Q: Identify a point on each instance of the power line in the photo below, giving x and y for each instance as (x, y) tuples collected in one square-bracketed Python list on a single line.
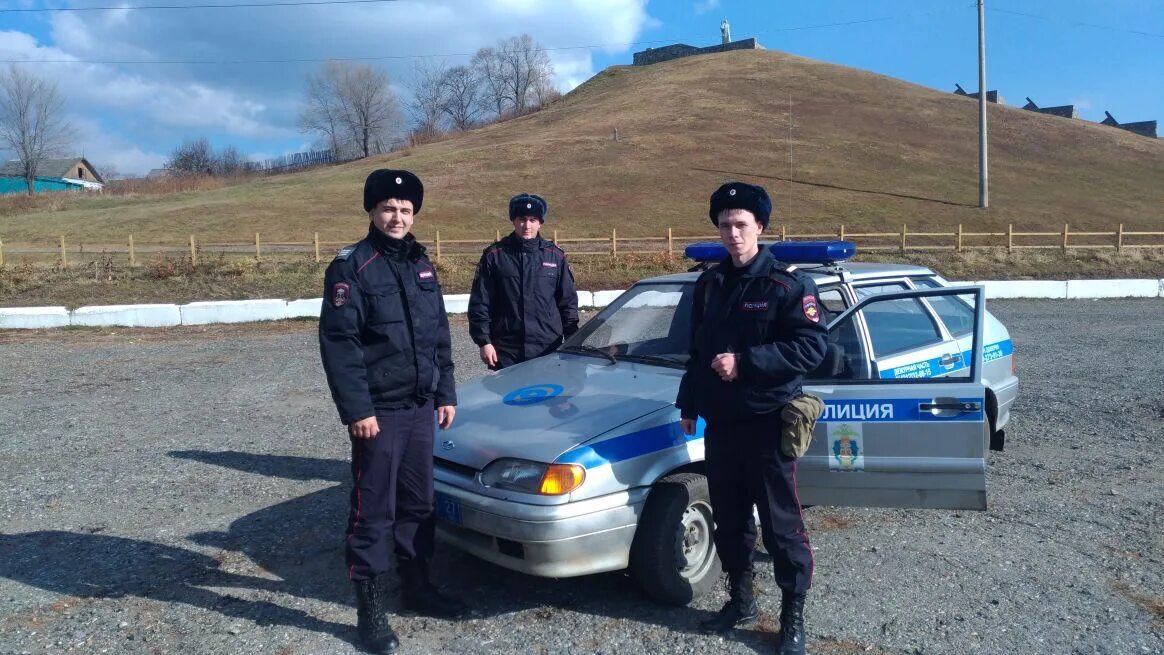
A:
[(205, 6), (1075, 22), (303, 60)]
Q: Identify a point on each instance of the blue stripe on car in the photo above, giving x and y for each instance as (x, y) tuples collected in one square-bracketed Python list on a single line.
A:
[(661, 437), (929, 368)]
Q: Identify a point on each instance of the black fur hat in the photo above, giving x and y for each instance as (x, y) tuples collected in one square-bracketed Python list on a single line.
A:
[(528, 204), (385, 183), (741, 195)]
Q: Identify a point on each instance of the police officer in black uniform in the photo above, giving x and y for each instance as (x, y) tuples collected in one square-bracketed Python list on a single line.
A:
[(384, 339), (756, 331), (523, 301)]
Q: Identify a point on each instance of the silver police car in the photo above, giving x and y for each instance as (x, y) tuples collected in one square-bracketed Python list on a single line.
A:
[(574, 463)]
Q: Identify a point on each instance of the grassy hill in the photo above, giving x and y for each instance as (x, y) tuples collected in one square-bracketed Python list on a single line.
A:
[(866, 150)]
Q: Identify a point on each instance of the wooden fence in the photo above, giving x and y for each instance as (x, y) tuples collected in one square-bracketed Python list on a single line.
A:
[(670, 245)]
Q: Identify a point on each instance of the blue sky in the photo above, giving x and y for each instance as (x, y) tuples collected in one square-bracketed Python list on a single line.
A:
[(1096, 55)]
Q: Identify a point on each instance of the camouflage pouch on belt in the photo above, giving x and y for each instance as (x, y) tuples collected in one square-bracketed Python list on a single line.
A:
[(799, 417)]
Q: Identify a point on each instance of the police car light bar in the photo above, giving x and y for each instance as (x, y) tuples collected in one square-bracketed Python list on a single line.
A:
[(793, 252)]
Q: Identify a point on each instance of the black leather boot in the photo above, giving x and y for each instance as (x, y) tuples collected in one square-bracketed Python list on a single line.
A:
[(376, 636), (740, 608), (791, 624), (418, 594)]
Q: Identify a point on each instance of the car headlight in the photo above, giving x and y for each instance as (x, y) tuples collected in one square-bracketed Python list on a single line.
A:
[(533, 477)]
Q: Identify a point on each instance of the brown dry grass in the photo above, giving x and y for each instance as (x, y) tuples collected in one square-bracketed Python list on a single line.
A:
[(869, 152)]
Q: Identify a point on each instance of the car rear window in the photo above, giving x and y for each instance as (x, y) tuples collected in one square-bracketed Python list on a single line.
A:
[(954, 312), (897, 326)]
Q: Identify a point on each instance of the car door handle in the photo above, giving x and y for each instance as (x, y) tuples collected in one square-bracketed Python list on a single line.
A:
[(949, 359), (950, 405)]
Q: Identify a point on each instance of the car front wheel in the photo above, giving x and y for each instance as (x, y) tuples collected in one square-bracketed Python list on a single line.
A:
[(673, 558)]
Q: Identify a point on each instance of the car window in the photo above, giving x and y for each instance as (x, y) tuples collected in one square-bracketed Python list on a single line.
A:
[(845, 357), (650, 320), (953, 310), (898, 325), (831, 301), (846, 360)]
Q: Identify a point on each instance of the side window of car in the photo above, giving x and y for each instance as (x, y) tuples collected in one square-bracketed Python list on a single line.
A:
[(953, 310), (899, 325), (844, 357)]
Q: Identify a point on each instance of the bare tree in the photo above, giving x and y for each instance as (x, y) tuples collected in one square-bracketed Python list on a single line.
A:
[(32, 123), (525, 66), (323, 113), (351, 105), (192, 158), (230, 161), (427, 98), (489, 68), (461, 92)]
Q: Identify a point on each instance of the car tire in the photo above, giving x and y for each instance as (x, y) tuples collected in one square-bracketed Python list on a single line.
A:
[(673, 558)]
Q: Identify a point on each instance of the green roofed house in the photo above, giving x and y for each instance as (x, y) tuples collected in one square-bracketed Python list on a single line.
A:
[(69, 174)]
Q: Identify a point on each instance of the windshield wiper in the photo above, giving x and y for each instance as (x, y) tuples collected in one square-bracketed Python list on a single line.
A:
[(659, 357), (593, 351)]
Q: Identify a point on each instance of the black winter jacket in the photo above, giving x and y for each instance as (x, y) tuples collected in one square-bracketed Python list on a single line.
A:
[(383, 330), (523, 299), (767, 314)]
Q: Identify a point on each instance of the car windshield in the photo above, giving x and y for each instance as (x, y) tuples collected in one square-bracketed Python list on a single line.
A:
[(650, 322)]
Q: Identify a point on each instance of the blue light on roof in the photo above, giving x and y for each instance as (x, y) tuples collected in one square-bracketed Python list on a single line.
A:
[(793, 252), (705, 251), (813, 252)]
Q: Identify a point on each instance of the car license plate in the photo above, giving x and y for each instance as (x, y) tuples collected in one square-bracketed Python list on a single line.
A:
[(448, 509)]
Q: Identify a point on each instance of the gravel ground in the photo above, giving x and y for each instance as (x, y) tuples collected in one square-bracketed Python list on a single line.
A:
[(184, 491)]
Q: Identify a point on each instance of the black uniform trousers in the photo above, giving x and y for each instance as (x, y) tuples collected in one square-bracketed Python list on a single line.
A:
[(745, 466), (392, 496)]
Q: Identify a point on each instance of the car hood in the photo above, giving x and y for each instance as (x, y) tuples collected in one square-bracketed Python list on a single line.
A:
[(541, 408)]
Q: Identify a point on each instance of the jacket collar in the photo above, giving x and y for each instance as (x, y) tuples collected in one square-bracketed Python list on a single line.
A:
[(516, 243), (760, 265), (406, 248)]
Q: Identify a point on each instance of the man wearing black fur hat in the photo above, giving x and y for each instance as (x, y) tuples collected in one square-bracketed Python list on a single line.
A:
[(523, 301), (384, 339), (756, 331)]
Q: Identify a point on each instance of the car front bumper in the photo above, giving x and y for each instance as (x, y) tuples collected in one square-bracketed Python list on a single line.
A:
[(558, 541)]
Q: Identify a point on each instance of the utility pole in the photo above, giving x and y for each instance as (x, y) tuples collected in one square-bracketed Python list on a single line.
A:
[(983, 189)]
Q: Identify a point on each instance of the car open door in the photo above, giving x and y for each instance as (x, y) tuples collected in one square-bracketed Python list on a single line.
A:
[(890, 442)]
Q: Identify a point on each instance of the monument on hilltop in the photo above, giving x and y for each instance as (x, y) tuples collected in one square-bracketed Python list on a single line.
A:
[(678, 50)]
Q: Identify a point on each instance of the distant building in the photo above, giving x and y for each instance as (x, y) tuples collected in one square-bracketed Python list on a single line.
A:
[(1066, 111), (1143, 128), (69, 174), (158, 174), (991, 96), (679, 50)]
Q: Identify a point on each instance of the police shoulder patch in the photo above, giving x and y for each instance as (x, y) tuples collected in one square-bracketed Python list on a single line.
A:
[(344, 253), (811, 311)]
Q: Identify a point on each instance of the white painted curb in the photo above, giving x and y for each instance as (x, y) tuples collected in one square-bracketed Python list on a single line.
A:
[(304, 308), (604, 298), (1113, 288), (33, 317), (457, 303), (1024, 289), (242, 311), (233, 311), (128, 315)]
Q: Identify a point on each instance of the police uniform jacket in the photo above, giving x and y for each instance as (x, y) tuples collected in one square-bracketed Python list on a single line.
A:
[(383, 330), (523, 298), (767, 315)]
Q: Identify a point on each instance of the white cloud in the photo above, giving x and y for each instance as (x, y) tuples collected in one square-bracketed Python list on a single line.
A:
[(704, 6), (151, 108)]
